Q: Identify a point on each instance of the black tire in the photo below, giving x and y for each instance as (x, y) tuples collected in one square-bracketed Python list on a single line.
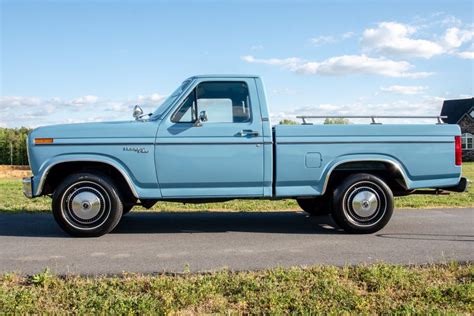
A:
[(316, 206), (87, 205), (362, 204)]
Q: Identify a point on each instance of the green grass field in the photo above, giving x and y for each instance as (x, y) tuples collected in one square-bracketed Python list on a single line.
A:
[(12, 200), (375, 289)]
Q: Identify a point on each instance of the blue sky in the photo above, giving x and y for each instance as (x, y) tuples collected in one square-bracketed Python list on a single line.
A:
[(71, 61)]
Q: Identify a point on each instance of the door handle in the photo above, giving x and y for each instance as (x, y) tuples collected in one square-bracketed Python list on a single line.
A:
[(247, 132)]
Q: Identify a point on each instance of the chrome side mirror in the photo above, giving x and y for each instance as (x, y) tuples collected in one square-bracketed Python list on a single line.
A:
[(201, 118), (137, 112)]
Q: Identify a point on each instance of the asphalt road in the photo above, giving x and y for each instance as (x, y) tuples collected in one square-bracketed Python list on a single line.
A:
[(173, 242)]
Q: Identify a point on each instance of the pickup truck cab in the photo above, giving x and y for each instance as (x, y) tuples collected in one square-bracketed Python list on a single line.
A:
[(212, 140)]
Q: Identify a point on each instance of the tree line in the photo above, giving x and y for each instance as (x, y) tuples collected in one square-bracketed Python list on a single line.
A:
[(13, 146), (335, 120)]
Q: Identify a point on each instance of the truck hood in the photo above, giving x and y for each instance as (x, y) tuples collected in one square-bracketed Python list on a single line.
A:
[(123, 129)]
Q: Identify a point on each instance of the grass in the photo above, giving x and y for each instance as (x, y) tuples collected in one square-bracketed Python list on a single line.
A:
[(12, 200), (375, 289)]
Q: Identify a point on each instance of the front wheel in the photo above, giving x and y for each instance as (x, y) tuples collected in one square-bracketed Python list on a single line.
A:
[(363, 204), (87, 205)]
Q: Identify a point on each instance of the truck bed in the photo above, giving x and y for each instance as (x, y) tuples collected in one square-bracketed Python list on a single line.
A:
[(307, 154)]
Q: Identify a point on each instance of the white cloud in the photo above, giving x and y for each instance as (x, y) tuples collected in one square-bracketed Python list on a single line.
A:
[(428, 105), (34, 111), (393, 39), (273, 61), (320, 40), (14, 101), (455, 37), (348, 35), (88, 99), (330, 39), (344, 65), (404, 89), (155, 97), (466, 54), (328, 107), (451, 20), (396, 39)]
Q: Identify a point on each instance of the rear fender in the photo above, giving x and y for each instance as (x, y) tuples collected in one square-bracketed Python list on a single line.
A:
[(363, 158)]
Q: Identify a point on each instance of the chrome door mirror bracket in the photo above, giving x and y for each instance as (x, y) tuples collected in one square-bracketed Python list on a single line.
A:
[(137, 112), (201, 118)]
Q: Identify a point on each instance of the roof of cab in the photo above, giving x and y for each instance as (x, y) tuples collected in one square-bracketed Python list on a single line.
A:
[(223, 76)]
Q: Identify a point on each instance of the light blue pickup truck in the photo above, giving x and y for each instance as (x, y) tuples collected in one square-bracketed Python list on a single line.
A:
[(212, 140)]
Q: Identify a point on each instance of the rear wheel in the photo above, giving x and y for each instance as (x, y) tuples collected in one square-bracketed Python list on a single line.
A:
[(315, 206), (362, 204), (87, 205)]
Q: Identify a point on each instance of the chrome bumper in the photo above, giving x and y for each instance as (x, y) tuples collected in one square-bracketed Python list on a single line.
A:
[(27, 187)]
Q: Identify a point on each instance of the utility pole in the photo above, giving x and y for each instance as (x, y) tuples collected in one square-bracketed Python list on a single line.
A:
[(11, 153)]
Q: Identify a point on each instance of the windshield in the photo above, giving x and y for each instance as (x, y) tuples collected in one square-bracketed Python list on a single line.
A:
[(171, 98)]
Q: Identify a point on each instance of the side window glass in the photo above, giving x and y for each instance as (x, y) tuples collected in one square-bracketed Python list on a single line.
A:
[(218, 110), (224, 102)]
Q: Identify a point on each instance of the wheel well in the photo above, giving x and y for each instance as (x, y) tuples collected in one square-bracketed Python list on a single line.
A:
[(387, 171), (60, 171)]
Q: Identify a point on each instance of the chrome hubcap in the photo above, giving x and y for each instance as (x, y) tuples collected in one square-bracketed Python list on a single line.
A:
[(365, 203), (86, 205)]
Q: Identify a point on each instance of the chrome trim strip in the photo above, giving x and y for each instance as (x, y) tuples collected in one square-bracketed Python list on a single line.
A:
[(367, 142), (157, 143), (212, 143), (45, 173), (395, 164), (94, 144)]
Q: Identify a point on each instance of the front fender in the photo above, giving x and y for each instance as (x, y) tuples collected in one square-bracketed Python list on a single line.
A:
[(40, 178)]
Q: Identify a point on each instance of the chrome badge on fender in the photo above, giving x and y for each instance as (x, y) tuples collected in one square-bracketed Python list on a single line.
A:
[(138, 150)]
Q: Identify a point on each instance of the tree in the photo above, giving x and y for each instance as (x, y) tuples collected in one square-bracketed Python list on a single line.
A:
[(337, 120), (288, 122), (13, 146)]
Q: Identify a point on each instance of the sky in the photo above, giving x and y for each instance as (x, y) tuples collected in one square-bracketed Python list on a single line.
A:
[(77, 61)]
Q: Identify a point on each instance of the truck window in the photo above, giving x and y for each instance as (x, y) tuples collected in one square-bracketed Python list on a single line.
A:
[(224, 102)]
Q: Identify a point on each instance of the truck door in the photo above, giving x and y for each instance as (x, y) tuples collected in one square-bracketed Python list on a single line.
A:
[(220, 155)]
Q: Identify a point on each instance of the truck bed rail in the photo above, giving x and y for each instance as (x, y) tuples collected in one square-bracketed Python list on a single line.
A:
[(373, 117)]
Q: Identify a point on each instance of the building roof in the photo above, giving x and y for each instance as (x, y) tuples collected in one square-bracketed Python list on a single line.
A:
[(456, 109)]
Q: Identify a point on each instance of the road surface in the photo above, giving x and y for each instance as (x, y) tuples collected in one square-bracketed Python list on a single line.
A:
[(202, 241)]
